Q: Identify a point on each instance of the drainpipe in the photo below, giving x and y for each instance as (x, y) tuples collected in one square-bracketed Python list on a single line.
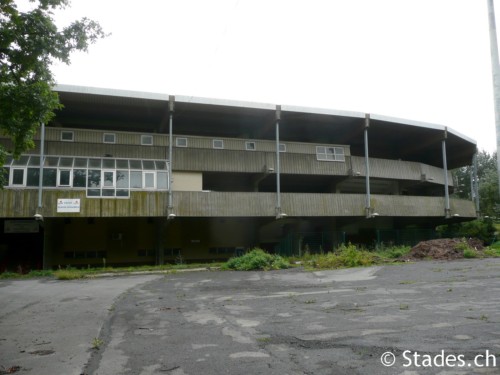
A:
[(474, 180), (367, 168), (279, 214), (170, 207), (42, 155), (447, 213)]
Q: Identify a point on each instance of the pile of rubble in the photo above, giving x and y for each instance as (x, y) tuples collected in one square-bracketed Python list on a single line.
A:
[(443, 249)]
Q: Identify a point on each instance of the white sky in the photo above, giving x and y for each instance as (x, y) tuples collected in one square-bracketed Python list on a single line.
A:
[(425, 60)]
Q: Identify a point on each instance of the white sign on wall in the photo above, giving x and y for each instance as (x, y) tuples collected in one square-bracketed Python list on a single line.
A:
[(68, 205)]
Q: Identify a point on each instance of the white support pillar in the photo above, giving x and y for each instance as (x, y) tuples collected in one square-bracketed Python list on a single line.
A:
[(447, 212), (170, 207)]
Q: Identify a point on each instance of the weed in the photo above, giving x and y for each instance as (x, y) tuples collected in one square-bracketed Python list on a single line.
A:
[(256, 259), (449, 290), (263, 340), (407, 282), (96, 343), (346, 256), (404, 306), (69, 274), (310, 301), (484, 318)]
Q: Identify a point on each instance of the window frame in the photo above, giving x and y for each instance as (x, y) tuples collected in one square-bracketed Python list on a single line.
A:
[(322, 153), (248, 143), (11, 176), (147, 136), (179, 139), (70, 170), (214, 141), (62, 139), (109, 134)]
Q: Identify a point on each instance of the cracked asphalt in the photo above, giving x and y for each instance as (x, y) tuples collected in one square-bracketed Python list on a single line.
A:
[(278, 322)]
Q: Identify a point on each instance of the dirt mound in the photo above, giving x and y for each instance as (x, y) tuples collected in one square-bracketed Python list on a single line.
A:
[(443, 249)]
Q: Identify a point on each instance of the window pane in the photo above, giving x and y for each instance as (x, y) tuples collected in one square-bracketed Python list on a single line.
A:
[(34, 161), (122, 179), (120, 163), (51, 161), (66, 162), (94, 178), (64, 178), (147, 140), (108, 163), (49, 177), (135, 164), (149, 180), (94, 163), (148, 164), (33, 178), (108, 192), (122, 193), (161, 165), (94, 192), (161, 181), (136, 180), (22, 161), (109, 138), (17, 176), (81, 163), (79, 177), (66, 136), (108, 179)]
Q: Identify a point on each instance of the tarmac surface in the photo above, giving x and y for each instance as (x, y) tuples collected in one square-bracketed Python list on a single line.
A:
[(431, 317)]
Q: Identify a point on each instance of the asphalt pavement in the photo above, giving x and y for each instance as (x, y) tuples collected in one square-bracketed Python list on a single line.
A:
[(421, 318)]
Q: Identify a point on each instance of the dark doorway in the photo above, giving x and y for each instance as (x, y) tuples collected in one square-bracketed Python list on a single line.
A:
[(21, 245)]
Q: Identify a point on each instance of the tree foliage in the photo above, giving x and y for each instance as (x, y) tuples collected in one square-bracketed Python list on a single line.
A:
[(487, 182), (30, 42)]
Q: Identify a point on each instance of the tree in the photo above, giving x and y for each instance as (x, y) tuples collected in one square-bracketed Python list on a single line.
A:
[(487, 181), (29, 43)]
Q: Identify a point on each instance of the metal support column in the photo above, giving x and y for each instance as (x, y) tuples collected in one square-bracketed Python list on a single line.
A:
[(447, 212), (475, 185), (279, 214), (40, 182), (368, 209), (170, 207)]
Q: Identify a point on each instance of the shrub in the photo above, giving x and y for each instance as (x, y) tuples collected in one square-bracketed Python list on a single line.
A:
[(256, 259), (481, 228), (346, 256)]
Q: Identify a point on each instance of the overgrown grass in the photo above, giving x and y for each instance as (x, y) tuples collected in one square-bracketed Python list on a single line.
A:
[(72, 273), (29, 275), (346, 256), (256, 259)]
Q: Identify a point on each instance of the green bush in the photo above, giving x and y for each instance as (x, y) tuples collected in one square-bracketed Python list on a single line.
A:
[(346, 256), (393, 252), (256, 259), (480, 228)]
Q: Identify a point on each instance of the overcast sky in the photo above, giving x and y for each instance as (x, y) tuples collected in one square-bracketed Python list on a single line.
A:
[(424, 60)]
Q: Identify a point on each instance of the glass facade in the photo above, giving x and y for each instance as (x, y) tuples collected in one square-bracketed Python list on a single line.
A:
[(100, 177)]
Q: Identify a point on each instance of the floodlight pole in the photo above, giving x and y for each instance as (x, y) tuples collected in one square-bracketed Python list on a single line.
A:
[(495, 70)]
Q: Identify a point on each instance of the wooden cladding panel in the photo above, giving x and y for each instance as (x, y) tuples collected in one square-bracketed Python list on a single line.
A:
[(100, 150), (23, 203)]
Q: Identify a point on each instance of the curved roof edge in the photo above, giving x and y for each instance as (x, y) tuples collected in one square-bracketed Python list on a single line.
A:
[(251, 105), (421, 124)]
